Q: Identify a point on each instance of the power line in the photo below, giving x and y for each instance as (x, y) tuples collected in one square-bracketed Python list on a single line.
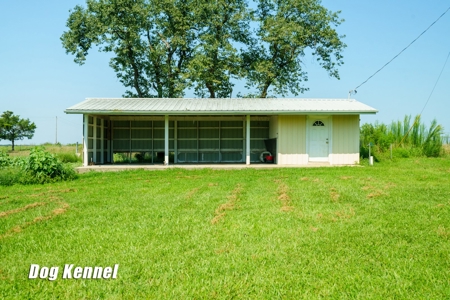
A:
[(432, 91), (354, 90), (439, 77)]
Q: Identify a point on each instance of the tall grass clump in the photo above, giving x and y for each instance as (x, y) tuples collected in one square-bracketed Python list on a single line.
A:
[(68, 157), (407, 138)]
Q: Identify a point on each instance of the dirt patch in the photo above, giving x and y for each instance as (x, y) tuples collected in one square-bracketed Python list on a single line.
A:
[(191, 193), (284, 197), (17, 210), (189, 177), (367, 187), (334, 195), (67, 191), (345, 213), (61, 210), (389, 185), (17, 229), (233, 198), (375, 194), (443, 232), (346, 177)]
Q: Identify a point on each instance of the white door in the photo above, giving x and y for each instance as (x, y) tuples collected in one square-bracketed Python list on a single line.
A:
[(318, 140)]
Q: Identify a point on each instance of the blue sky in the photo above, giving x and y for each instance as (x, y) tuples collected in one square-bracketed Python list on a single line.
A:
[(39, 81)]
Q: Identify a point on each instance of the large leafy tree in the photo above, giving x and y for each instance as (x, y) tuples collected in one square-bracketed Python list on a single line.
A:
[(163, 47), (285, 30), (13, 128), (222, 24), (150, 40)]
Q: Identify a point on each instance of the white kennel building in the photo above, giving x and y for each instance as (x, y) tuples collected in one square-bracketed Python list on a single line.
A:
[(230, 130)]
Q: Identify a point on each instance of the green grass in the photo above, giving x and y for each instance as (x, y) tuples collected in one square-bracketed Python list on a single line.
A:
[(58, 149), (350, 232)]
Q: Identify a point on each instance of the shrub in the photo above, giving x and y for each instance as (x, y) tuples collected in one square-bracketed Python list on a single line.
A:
[(43, 166), (120, 158), (401, 152), (5, 160)]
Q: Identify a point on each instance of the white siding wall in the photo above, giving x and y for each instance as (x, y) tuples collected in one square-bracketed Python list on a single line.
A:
[(345, 140), (292, 140)]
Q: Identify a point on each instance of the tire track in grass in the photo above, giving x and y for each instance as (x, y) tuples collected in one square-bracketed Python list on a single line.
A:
[(21, 209), (233, 198), (61, 209), (283, 196), (17, 229)]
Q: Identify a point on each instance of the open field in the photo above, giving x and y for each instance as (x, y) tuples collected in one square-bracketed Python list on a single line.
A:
[(347, 232), (24, 150)]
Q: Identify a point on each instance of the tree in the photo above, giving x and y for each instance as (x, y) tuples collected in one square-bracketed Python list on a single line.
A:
[(13, 128), (150, 40), (222, 24), (161, 48), (285, 30)]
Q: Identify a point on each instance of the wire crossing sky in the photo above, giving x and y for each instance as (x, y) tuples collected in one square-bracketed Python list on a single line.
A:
[(434, 87), (403, 50)]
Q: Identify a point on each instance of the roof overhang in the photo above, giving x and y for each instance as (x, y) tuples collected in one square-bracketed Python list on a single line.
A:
[(226, 106)]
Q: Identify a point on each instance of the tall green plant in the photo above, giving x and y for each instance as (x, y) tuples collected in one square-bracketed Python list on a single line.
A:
[(43, 166), (413, 139)]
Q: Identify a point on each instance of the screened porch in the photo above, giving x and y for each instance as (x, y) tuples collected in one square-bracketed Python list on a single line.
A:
[(190, 139)]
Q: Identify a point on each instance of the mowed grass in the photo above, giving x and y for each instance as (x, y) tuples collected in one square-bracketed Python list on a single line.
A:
[(306, 233)]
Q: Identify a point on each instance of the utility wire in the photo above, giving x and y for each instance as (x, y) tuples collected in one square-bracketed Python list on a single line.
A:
[(439, 77), (432, 91), (354, 90)]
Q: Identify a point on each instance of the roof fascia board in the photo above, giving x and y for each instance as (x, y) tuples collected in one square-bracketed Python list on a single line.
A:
[(173, 113)]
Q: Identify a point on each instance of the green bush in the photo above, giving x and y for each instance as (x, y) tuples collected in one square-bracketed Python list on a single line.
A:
[(5, 160), (40, 167), (120, 158), (401, 152), (43, 166)]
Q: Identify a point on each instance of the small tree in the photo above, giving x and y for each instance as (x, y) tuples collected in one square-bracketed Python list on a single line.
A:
[(13, 128)]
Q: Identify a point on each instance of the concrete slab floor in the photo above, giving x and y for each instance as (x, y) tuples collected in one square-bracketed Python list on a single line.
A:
[(116, 167)]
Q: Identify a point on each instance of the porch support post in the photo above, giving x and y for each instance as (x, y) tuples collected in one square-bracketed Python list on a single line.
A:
[(166, 140), (102, 140), (247, 140), (85, 139), (94, 140), (175, 144)]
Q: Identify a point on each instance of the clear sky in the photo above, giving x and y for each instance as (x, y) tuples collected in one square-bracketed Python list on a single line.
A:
[(39, 81)]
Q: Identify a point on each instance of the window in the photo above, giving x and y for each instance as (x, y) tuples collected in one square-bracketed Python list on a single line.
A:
[(318, 123)]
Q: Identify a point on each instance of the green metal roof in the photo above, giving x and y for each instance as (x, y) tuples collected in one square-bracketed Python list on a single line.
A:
[(218, 106)]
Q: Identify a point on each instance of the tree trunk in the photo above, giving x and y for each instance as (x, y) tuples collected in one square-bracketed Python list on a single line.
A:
[(12, 142), (212, 93)]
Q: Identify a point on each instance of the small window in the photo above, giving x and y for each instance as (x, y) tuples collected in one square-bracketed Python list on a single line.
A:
[(318, 123)]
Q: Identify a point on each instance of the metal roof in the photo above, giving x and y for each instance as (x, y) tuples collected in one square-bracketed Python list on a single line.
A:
[(218, 106)]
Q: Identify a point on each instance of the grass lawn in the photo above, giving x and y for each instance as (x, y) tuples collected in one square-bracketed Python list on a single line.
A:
[(346, 232)]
